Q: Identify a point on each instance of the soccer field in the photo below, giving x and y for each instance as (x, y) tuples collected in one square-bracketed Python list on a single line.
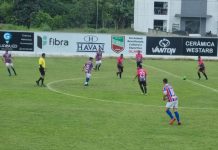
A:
[(109, 114)]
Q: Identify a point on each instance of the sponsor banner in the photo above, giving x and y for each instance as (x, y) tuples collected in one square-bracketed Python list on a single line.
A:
[(164, 46), (128, 44), (181, 46), (88, 44), (135, 43), (199, 47), (91, 43), (63, 43), (16, 41)]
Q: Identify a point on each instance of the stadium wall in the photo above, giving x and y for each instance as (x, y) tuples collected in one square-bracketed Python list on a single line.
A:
[(86, 44)]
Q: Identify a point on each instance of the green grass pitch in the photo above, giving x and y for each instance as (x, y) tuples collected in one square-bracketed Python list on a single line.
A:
[(109, 114)]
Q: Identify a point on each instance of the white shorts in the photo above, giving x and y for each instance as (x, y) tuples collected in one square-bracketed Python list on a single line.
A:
[(98, 62), (173, 104), (9, 64), (88, 75)]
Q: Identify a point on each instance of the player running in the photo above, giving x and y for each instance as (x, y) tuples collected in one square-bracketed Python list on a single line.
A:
[(7, 59), (98, 59), (142, 75), (41, 70), (120, 65), (138, 58), (170, 96), (201, 68), (88, 69)]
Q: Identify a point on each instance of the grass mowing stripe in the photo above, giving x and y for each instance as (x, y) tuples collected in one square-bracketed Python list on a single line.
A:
[(190, 81), (84, 97), (49, 85), (176, 76), (36, 118)]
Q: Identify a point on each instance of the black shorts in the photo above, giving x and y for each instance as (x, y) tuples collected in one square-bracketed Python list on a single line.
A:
[(138, 63), (201, 68), (142, 82), (120, 67), (42, 71)]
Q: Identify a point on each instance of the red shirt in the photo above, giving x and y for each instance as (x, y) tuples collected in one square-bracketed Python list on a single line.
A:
[(120, 60), (200, 61), (141, 73), (138, 57)]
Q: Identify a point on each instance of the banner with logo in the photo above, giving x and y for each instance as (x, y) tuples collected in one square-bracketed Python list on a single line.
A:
[(80, 44), (117, 43), (128, 44), (135, 43), (16, 41), (164, 46), (181, 46), (88, 44), (70, 43), (199, 46)]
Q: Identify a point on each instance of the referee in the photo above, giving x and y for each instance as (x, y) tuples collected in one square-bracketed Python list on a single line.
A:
[(41, 70)]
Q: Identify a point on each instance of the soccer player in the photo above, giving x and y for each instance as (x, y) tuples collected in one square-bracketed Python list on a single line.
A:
[(98, 59), (7, 59), (138, 58), (41, 70), (201, 68), (120, 66), (172, 102), (88, 69), (142, 75)]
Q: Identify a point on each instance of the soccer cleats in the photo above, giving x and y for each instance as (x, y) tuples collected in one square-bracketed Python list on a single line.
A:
[(172, 121)]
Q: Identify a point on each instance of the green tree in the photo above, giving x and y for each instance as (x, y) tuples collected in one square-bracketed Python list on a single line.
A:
[(105, 16), (42, 18), (24, 10), (122, 13), (53, 7), (58, 22), (5, 12), (67, 13), (117, 13), (81, 14)]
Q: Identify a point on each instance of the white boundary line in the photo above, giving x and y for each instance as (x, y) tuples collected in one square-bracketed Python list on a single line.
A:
[(109, 101), (190, 81), (176, 76)]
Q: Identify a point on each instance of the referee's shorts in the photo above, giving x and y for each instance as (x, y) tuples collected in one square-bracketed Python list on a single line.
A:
[(42, 71)]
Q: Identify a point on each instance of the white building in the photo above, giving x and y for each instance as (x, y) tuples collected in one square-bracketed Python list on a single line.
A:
[(193, 16)]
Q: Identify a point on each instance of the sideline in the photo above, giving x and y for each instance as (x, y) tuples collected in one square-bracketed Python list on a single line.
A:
[(49, 86)]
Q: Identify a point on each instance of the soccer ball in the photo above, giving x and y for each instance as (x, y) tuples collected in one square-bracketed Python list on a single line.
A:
[(184, 78)]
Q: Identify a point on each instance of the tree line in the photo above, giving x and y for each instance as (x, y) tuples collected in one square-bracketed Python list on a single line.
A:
[(57, 14)]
